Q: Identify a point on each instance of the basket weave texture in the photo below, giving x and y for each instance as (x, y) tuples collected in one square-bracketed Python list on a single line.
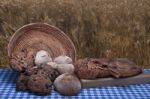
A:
[(41, 36)]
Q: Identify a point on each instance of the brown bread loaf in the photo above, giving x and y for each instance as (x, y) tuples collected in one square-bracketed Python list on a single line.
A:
[(91, 68)]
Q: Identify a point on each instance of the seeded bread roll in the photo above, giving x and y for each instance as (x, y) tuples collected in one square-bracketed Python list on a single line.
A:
[(21, 82), (39, 84), (22, 60), (51, 72), (31, 71), (37, 79), (45, 70)]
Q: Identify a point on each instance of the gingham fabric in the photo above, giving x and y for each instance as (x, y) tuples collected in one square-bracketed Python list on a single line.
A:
[(8, 90)]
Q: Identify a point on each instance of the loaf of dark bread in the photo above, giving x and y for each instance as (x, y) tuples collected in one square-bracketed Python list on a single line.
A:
[(122, 67), (91, 68)]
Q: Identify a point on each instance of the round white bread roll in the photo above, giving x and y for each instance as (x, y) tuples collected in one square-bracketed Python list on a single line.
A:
[(42, 57), (67, 84), (65, 68), (63, 59)]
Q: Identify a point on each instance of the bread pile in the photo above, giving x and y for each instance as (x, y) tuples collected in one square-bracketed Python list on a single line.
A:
[(38, 79), (38, 71)]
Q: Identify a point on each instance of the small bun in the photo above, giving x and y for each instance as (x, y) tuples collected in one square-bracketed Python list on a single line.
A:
[(63, 59), (65, 68), (42, 57)]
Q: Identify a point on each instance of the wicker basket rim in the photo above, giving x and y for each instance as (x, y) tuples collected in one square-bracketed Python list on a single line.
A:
[(15, 35)]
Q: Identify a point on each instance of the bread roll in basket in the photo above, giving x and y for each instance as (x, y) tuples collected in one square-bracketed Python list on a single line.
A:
[(38, 36)]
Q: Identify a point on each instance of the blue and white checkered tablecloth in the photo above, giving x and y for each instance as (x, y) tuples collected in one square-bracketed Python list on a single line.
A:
[(8, 90)]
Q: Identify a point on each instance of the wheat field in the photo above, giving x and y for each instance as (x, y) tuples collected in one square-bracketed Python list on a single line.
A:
[(98, 28)]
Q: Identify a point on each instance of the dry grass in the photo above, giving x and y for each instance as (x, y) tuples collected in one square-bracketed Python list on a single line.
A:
[(99, 28)]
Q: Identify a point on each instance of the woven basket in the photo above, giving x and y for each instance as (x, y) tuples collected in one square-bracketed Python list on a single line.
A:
[(42, 36)]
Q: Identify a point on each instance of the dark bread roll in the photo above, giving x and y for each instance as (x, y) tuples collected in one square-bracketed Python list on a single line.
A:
[(37, 79), (21, 82), (51, 72), (22, 60), (31, 71), (44, 70), (39, 84)]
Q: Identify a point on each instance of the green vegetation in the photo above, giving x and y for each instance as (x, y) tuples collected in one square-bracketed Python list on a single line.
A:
[(98, 28)]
